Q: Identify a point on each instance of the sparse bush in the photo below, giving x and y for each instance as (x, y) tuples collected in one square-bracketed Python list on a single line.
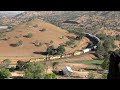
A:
[(37, 43), (50, 76), (51, 42), (100, 51), (4, 73), (104, 76), (69, 43), (109, 44), (5, 63), (91, 75), (18, 43), (101, 36), (105, 64), (118, 37), (29, 35)]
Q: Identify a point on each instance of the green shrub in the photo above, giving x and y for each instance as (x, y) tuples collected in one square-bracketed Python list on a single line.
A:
[(118, 37), (34, 71), (5, 63), (104, 76), (101, 36), (21, 65), (29, 35), (69, 43), (4, 73), (91, 75), (50, 76), (51, 50), (60, 49), (18, 43), (105, 64)]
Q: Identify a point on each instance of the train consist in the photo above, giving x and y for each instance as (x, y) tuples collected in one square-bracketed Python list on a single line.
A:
[(76, 53)]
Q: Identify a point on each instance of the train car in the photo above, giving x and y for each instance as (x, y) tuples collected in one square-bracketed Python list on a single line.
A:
[(86, 50), (55, 57), (62, 56), (32, 60), (95, 47), (69, 55), (78, 52), (37, 60), (40, 59)]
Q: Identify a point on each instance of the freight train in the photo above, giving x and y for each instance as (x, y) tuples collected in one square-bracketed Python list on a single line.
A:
[(55, 57), (76, 53)]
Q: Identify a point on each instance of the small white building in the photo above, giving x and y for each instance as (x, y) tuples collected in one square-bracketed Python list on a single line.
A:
[(67, 70)]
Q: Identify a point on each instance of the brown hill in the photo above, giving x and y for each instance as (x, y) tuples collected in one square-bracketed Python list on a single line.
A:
[(42, 32)]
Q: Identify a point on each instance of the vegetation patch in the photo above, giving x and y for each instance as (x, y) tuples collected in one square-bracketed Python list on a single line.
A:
[(18, 43), (29, 35)]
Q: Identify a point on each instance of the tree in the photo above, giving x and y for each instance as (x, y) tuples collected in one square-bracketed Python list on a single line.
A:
[(21, 65), (60, 49), (34, 71), (50, 76), (51, 50), (4, 73)]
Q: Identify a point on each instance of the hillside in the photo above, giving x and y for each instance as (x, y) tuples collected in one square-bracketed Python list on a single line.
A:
[(41, 31), (89, 21)]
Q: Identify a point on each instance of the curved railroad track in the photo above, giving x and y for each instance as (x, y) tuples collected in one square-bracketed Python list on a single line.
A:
[(91, 37)]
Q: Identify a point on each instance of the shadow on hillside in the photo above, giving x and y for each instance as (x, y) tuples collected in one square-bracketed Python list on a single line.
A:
[(13, 45), (43, 53)]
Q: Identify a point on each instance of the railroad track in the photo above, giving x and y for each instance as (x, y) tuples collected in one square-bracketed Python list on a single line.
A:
[(70, 55)]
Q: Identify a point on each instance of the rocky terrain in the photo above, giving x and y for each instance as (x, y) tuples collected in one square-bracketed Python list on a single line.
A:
[(89, 21)]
